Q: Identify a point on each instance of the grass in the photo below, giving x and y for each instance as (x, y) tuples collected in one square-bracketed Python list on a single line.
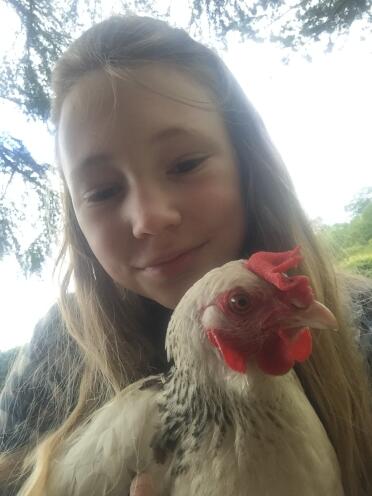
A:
[(359, 260)]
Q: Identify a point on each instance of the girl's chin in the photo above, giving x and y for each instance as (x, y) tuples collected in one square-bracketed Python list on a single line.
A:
[(166, 300), (171, 294)]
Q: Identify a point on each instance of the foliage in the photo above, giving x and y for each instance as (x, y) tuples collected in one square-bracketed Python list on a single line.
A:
[(21, 172), (6, 360), (292, 24), (45, 32), (360, 202), (360, 264), (351, 243)]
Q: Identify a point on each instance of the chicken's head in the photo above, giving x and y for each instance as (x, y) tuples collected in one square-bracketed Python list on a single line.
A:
[(249, 310)]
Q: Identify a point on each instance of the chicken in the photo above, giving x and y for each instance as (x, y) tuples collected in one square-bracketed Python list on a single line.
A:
[(231, 417)]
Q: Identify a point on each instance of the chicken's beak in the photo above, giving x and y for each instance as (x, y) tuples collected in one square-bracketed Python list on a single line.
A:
[(316, 315)]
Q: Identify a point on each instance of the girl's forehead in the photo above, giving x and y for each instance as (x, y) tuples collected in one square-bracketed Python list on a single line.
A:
[(108, 110), (153, 83)]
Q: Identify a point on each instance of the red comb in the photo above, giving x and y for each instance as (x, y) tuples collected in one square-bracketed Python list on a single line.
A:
[(271, 266)]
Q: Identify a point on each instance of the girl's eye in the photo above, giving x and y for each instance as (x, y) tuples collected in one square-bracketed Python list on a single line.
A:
[(187, 165), (101, 195)]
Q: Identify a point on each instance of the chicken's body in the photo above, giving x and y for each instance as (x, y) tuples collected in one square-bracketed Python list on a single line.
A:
[(204, 442), (203, 429), (247, 442)]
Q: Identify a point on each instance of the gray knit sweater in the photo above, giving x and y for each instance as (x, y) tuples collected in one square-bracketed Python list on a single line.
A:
[(28, 405)]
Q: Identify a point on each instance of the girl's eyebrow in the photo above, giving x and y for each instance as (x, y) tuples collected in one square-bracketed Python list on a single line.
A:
[(177, 131), (173, 132), (97, 160)]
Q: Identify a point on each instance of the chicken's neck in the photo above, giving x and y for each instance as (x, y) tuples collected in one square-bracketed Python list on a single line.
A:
[(219, 396), (240, 408)]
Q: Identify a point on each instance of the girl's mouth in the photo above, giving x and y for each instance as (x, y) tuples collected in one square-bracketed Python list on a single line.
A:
[(173, 265)]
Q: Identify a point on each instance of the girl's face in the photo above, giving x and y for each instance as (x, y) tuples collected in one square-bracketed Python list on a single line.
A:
[(153, 179)]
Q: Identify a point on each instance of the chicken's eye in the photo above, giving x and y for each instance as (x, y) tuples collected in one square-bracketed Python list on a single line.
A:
[(239, 302)]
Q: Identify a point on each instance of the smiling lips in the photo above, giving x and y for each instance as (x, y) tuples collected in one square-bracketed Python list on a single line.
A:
[(171, 263)]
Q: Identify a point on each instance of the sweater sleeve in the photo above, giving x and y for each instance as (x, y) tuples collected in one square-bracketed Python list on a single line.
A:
[(365, 326), (30, 399), (10, 411)]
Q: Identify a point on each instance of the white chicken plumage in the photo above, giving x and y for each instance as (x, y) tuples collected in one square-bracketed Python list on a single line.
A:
[(206, 428)]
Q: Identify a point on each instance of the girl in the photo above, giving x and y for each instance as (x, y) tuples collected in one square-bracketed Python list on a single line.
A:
[(168, 172)]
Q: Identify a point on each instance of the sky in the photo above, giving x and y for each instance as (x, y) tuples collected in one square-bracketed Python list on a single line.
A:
[(318, 114)]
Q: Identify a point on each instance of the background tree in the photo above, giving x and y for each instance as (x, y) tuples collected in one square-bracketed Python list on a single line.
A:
[(360, 202), (351, 242), (46, 28), (293, 24)]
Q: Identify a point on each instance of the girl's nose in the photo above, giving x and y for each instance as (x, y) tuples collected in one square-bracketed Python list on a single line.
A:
[(152, 210)]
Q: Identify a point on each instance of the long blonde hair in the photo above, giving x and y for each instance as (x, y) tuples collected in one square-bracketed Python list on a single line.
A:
[(111, 330)]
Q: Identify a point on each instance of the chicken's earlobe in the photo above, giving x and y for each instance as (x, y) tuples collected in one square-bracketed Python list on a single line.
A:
[(233, 358)]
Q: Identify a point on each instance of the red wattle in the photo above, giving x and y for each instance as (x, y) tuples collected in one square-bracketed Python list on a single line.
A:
[(274, 358), (234, 356), (281, 350), (300, 346)]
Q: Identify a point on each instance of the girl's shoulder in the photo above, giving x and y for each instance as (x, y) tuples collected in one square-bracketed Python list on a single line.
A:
[(28, 400), (365, 325), (360, 291)]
